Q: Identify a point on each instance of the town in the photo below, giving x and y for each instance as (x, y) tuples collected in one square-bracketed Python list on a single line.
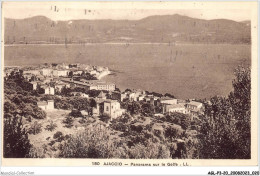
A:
[(52, 79), (68, 111)]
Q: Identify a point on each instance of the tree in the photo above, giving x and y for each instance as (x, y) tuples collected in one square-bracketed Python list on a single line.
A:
[(16, 142), (240, 100), (70, 74), (93, 103), (169, 95), (35, 128), (225, 132), (75, 113)]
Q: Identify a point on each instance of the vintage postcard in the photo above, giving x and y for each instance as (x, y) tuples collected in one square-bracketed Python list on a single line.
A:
[(129, 84)]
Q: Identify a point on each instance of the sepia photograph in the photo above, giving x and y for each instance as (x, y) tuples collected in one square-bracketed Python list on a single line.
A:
[(129, 81)]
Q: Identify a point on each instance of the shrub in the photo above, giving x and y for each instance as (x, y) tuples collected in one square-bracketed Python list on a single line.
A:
[(68, 121), (105, 118), (151, 151), (35, 128), (89, 144), (51, 126), (57, 135), (75, 113)]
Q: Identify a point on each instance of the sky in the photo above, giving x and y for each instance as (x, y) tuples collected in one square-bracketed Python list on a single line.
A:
[(237, 11)]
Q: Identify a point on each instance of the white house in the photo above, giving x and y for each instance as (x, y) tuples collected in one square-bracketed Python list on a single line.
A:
[(167, 100), (194, 105), (194, 108), (46, 105), (34, 85), (48, 90), (102, 86), (59, 73), (123, 96), (174, 108), (112, 109), (80, 94)]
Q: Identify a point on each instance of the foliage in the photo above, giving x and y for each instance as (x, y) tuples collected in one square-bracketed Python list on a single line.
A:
[(105, 118), (178, 118), (51, 126), (19, 101), (35, 128), (75, 113), (89, 144), (58, 136), (226, 125), (16, 142), (169, 95), (151, 151), (68, 121)]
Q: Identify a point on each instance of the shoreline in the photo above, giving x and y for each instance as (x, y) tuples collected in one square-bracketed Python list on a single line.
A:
[(103, 74)]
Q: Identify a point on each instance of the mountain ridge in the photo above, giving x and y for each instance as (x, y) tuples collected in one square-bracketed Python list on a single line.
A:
[(157, 28)]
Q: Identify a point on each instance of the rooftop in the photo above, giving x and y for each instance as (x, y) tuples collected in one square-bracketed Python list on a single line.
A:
[(168, 98), (110, 101), (42, 103), (194, 103), (176, 106)]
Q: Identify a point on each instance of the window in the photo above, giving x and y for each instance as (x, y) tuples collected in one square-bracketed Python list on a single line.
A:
[(107, 108)]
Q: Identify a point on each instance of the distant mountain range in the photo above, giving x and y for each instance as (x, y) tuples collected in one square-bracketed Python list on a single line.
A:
[(153, 29)]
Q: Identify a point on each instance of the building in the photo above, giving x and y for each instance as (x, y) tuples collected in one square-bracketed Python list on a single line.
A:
[(102, 86), (47, 80), (91, 84), (168, 100), (132, 96), (48, 90), (102, 95), (32, 72), (194, 108), (167, 108), (83, 112), (123, 96), (80, 94), (58, 73), (77, 72), (93, 72), (112, 109), (141, 98), (34, 85), (46, 105), (47, 72), (194, 105)]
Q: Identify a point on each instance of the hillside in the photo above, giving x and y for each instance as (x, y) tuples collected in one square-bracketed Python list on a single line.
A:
[(163, 29)]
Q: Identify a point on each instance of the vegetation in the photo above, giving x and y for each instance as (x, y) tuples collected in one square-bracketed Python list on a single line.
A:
[(68, 121), (16, 142), (225, 132), (35, 128), (51, 126)]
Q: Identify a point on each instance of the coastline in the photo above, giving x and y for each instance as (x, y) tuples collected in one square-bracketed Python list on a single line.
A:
[(103, 74)]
